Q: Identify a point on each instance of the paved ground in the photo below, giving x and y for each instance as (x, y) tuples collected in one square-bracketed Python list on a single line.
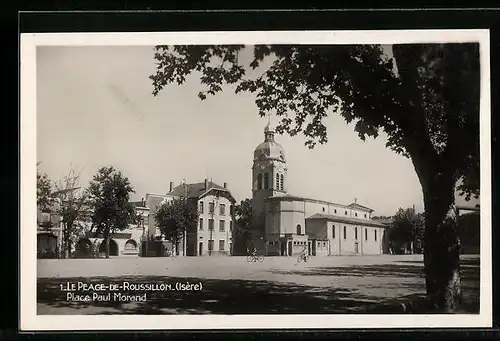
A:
[(231, 285)]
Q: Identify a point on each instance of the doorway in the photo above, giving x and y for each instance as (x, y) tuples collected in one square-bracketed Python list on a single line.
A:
[(200, 249), (283, 248), (356, 248), (290, 248), (309, 248)]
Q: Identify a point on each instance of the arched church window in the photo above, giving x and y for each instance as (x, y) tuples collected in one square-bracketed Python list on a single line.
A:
[(259, 181), (299, 229), (266, 180), (277, 181), (281, 181)]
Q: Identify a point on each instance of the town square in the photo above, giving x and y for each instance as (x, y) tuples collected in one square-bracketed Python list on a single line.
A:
[(294, 179), (231, 285)]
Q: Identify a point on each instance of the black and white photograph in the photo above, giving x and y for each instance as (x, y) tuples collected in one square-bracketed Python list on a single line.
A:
[(255, 180)]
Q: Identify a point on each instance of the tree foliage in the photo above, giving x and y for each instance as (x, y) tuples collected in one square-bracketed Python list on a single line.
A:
[(109, 195), (243, 215), (407, 226), (242, 226), (72, 206), (44, 188), (176, 218), (425, 98)]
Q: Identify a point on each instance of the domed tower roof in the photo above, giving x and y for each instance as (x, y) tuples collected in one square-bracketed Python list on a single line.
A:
[(269, 149)]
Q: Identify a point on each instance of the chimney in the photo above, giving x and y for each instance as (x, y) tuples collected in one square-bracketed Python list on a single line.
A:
[(206, 183), (171, 186), (225, 185)]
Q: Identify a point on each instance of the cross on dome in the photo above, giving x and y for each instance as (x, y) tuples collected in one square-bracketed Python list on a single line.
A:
[(268, 131), (268, 126)]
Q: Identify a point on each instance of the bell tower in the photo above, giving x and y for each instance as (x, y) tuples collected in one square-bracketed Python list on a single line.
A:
[(269, 175)]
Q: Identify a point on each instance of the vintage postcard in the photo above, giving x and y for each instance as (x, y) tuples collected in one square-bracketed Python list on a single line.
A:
[(255, 180)]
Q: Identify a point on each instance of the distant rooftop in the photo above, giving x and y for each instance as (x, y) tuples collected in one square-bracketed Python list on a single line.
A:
[(198, 189)]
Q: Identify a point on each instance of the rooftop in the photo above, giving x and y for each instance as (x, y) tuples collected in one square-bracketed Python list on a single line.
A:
[(197, 190), (289, 197), (347, 220)]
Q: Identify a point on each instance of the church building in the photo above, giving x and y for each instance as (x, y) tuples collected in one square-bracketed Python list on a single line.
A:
[(289, 224)]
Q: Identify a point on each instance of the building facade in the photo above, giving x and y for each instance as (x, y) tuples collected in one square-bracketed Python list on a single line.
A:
[(290, 225), (123, 243), (49, 235), (213, 234)]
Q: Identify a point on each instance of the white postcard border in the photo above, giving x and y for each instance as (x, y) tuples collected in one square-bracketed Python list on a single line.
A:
[(30, 321)]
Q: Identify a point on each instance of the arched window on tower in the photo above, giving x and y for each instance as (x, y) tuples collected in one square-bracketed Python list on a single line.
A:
[(281, 182), (259, 181), (266, 180), (299, 229), (277, 181)]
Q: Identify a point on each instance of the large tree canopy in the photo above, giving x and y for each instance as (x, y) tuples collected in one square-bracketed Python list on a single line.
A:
[(425, 98), (407, 227), (72, 206), (176, 218), (109, 195), (44, 195)]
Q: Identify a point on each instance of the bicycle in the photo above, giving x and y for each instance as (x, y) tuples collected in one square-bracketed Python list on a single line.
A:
[(255, 258), (302, 257)]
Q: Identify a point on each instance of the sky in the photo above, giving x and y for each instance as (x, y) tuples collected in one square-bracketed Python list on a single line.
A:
[(95, 108)]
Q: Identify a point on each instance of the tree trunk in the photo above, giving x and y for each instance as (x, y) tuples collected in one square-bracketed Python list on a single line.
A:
[(184, 244), (69, 248), (65, 242), (441, 256), (66, 248), (106, 243)]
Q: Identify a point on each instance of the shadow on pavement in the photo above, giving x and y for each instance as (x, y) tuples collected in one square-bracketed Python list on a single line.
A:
[(236, 296), (470, 279), (216, 297), (382, 270)]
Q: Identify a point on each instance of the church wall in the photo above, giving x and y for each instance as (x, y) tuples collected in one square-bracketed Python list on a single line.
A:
[(322, 247), (359, 214), (317, 228), (290, 220), (313, 207), (333, 238), (370, 245), (273, 223), (299, 243), (348, 244), (273, 248), (292, 205)]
